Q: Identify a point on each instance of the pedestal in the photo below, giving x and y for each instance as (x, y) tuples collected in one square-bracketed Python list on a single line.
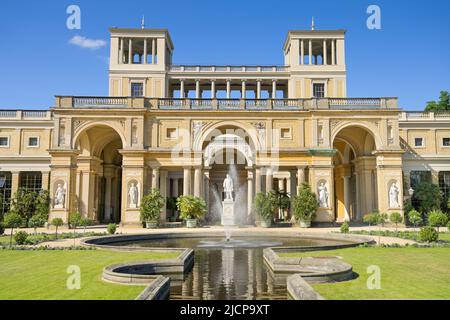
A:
[(228, 216)]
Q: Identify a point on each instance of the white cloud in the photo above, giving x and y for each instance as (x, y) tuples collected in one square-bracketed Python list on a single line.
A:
[(87, 43)]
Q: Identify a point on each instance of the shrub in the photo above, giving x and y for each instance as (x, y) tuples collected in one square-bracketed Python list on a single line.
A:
[(448, 226), (396, 218), (415, 218), (437, 218), (12, 220), (57, 222), (37, 221), (428, 197), (428, 234), (265, 205), (24, 203), (42, 204), (345, 228), (305, 204), (86, 222), (21, 238), (191, 207), (372, 219), (75, 220), (112, 228), (2, 229), (151, 206)]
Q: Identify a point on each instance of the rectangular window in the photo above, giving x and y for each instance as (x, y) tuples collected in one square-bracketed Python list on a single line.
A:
[(419, 176), (32, 181), (137, 89), (446, 142), (444, 183), (319, 90), (418, 142), (286, 133), (171, 133), (33, 142), (4, 142), (5, 191)]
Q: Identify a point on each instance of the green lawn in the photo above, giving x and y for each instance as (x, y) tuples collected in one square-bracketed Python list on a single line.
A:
[(444, 236), (41, 275), (406, 273)]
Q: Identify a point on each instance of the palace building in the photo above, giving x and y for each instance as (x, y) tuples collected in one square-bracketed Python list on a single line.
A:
[(182, 128)]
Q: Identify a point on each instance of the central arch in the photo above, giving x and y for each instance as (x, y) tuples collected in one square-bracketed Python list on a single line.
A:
[(355, 171), (99, 172)]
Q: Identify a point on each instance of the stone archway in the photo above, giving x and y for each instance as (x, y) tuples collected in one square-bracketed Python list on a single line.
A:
[(355, 173), (99, 172)]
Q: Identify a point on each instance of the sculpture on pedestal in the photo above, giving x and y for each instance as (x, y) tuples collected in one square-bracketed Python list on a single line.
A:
[(228, 216), (393, 196), (134, 196), (228, 188), (323, 195), (60, 197)]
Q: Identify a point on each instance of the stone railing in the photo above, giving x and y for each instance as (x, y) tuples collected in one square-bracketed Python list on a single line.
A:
[(424, 116), (25, 115), (195, 68), (226, 104)]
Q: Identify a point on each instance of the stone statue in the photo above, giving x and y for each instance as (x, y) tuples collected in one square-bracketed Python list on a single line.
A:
[(134, 195), (60, 197), (393, 196), (323, 195), (228, 188)]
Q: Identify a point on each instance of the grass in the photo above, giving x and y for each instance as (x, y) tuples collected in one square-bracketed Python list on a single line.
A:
[(34, 239), (406, 273), (410, 235), (42, 275)]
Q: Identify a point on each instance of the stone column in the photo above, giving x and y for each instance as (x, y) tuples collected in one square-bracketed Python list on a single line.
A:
[(206, 188), (301, 178), (155, 178), (45, 180), (258, 89), (310, 52), (187, 181), (175, 193), (163, 189), (358, 203), (213, 89), (258, 181), (198, 182), (346, 198), (197, 89), (302, 52), (108, 189), (324, 60), (269, 179), (145, 51), (281, 184), (274, 89), (182, 96), (244, 89), (333, 52), (153, 51), (250, 195), (121, 51), (130, 51), (14, 183), (228, 89)]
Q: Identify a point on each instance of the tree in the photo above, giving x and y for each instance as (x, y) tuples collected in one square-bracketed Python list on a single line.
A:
[(305, 204), (24, 203), (428, 197), (396, 218), (415, 218), (42, 204), (191, 207), (437, 219), (12, 220), (86, 222), (37, 221), (151, 206), (442, 105), (57, 222), (265, 205), (75, 221), (283, 201)]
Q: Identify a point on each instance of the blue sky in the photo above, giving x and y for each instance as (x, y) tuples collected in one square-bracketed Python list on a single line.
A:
[(409, 57)]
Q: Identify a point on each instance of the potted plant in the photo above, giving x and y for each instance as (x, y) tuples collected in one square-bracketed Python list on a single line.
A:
[(305, 206), (265, 205), (191, 209), (150, 209), (172, 206)]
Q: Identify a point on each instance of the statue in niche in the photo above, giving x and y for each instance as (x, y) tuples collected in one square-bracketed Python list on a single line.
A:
[(60, 197), (228, 188), (393, 196), (134, 195), (323, 195)]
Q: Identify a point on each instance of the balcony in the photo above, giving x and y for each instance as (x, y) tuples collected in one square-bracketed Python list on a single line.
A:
[(226, 104), (227, 69), (423, 116), (30, 115)]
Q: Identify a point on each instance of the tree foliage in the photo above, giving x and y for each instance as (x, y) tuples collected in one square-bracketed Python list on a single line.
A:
[(437, 218), (265, 205), (151, 206), (305, 204), (427, 197), (442, 105), (191, 207)]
